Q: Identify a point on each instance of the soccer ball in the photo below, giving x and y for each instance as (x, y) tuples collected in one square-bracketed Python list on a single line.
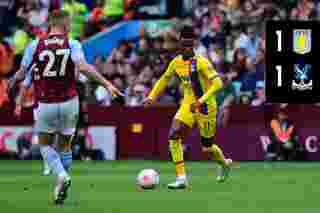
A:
[(148, 179)]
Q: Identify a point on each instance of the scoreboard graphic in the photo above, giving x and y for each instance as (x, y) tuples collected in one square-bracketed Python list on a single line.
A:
[(293, 62)]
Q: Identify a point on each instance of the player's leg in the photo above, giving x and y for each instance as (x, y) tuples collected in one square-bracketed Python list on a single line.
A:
[(207, 125), (178, 132), (180, 128), (47, 125), (64, 147), (46, 168), (65, 150), (69, 113), (50, 155), (69, 120)]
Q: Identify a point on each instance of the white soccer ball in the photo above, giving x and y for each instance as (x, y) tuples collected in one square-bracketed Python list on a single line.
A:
[(148, 179)]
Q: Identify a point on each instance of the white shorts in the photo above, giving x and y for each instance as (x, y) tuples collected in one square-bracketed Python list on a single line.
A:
[(57, 117)]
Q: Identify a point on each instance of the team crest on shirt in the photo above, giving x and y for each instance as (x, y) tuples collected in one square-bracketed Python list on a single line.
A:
[(302, 41)]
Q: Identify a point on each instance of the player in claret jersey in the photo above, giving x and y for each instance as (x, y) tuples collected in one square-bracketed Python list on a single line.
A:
[(54, 60)]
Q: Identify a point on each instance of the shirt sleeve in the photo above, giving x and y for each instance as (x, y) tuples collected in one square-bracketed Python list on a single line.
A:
[(76, 51), (215, 82), (28, 54), (163, 81), (28, 77), (207, 69), (28, 80)]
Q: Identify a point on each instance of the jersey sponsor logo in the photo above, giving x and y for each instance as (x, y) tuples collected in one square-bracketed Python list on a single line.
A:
[(302, 77), (302, 41), (183, 71)]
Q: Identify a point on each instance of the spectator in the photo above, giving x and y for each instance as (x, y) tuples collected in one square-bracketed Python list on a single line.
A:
[(200, 49), (131, 7), (20, 39), (55, 4), (284, 139), (225, 99), (214, 36), (256, 71), (5, 15), (6, 58), (241, 64), (35, 14), (103, 96), (4, 98), (250, 41), (78, 12), (305, 10), (122, 54), (251, 12), (260, 96), (238, 54), (114, 10), (139, 94), (216, 55), (96, 21)]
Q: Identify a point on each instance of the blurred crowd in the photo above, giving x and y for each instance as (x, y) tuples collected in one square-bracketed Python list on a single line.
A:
[(231, 34), (23, 20)]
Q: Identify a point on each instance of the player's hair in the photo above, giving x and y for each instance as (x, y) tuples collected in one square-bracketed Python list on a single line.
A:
[(187, 32), (57, 17)]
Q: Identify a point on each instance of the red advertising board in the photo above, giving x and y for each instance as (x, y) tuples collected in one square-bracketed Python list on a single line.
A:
[(142, 133)]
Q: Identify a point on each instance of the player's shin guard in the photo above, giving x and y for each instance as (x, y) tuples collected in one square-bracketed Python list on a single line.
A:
[(217, 154), (177, 156), (66, 159), (53, 159)]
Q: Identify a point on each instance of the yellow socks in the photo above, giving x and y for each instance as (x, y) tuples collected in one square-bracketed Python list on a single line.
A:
[(177, 156), (217, 154)]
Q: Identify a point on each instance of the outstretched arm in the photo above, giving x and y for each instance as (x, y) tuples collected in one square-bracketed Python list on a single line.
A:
[(161, 84), (91, 72), (88, 69)]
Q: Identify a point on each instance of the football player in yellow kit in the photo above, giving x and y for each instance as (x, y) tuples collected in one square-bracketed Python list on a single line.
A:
[(199, 82)]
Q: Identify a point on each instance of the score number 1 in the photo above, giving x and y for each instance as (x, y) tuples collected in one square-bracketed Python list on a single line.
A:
[(279, 75), (279, 40), (279, 49)]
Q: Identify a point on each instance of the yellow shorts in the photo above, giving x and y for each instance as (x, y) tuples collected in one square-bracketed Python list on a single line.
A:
[(206, 122)]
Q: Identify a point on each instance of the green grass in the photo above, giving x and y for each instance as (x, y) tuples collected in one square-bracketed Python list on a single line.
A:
[(110, 187)]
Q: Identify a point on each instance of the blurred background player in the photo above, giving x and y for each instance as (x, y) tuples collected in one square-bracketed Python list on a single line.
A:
[(55, 58), (200, 82), (284, 139)]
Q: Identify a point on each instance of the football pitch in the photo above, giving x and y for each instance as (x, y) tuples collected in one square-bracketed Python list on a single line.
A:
[(109, 187)]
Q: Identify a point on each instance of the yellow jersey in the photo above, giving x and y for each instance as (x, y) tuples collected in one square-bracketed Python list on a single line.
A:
[(195, 77)]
